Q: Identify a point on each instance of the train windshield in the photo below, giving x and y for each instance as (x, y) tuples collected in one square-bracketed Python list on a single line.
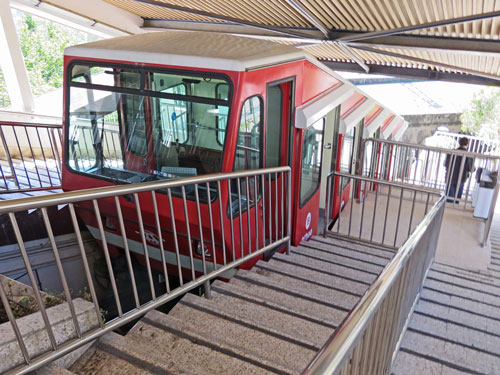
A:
[(132, 124)]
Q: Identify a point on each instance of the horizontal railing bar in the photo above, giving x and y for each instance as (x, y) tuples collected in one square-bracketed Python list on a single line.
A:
[(384, 182), (22, 204), (30, 124), (64, 349), (339, 345), (433, 148)]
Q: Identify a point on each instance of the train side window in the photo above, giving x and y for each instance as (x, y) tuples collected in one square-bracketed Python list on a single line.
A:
[(273, 126), (173, 115), (312, 145), (248, 151), (221, 92)]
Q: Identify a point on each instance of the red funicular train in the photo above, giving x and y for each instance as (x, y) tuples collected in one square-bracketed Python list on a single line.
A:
[(178, 104)]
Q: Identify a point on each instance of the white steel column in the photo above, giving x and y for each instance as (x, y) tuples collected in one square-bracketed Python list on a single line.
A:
[(12, 62)]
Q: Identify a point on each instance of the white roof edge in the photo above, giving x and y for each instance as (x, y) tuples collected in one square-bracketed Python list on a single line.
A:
[(357, 114), (310, 112), (377, 121), (386, 133)]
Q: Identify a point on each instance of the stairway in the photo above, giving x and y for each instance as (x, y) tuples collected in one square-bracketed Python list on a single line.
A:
[(272, 319), (455, 328)]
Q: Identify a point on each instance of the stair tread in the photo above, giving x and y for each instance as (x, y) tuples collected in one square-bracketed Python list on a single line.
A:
[(274, 349), (285, 271), (315, 334), (344, 243), (479, 275), (354, 260), (475, 293), (285, 296), (411, 364), (464, 281)]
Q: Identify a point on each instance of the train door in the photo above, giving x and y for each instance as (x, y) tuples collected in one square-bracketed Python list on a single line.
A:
[(278, 130)]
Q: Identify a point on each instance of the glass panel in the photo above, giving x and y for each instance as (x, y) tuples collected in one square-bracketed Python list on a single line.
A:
[(312, 146), (248, 148), (109, 132), (347, 151), (222, 92), (273, 128)]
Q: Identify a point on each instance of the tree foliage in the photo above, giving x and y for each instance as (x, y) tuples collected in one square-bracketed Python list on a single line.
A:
[(482, 116), (42, 43)]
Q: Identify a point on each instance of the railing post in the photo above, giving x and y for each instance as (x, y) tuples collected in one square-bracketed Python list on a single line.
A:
[(289, 212), (9, 158), (208, 290), (487, 224)]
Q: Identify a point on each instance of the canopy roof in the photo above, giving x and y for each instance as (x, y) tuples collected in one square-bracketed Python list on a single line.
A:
[(429, 39)]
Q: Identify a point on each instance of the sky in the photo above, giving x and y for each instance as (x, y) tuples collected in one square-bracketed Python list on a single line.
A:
[(420, 97)]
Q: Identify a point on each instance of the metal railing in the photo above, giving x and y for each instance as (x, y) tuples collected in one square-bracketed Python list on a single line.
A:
[(30, 157), (368, 339), (373, 212), (256, 196), (450, 171), (476, 144)]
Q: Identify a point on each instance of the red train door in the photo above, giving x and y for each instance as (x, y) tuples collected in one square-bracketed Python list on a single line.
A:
[(278, 130)]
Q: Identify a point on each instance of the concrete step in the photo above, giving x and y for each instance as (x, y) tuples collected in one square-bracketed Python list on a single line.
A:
[(354, 260), (53, 369), (455, 333), (263, 316), (276, 350), (329, 268), (343, 251), (465, 358), (465, 319), (464, 281), (114, 354), (464, 292), (293, 273), (460, 303), (170, 339), (477, 275), (382, 252), (303, 303), (409, 362)]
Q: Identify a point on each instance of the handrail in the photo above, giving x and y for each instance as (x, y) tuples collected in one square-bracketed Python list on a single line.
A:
[(433, 148), (30, 124), (332, 355), (22, 204)]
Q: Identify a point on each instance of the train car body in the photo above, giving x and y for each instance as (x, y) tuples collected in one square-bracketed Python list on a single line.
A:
[(179, 104)]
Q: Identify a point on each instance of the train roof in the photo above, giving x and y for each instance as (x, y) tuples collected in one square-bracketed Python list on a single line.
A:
[(191, 49)]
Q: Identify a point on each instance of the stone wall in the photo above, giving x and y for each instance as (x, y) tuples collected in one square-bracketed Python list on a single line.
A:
[(423, 126)]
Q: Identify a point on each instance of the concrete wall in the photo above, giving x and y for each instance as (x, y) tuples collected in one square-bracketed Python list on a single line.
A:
[(423, 126)]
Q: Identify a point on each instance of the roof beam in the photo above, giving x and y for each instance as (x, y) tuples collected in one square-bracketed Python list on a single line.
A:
[(308, 16), (238, 21), (429, 62), (400, 30), (414, 73), (353, 56), (420, 42)]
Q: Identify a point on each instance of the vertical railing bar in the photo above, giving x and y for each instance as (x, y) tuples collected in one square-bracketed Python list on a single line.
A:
[(43, 155), (127, 250), (231, 218), (427, 203), (107, 257), (9, 157), (386, 213), (176, 242), (60, 269), (22, 157), (114, 149), (469, 183), (412, 211), (31, 276), (340, 204), (459, 179), (327, 206), (289, 212), (210, 217), (362, 191), (276, 208), (15, 326), (54, 153), (352, 205), (282, 179), (247, 184), (222, 222), (240, 216), (399, 216), (58, 159), (256, 200), (264, 209), (144, 244), (3, 177), (424, 179), (188, 231), (374, 212), (106, 142), (85, 262), (33, 155), (160, 239), (85, 143), (200, 228), (270, 212)]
